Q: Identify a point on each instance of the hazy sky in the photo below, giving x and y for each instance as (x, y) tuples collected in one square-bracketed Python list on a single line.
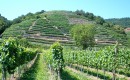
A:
[(105, 8)]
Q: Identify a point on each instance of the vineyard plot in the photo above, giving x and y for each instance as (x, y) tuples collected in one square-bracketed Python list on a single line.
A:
[(103, 60)]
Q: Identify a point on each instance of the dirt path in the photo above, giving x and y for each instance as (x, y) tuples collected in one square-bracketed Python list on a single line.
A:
[(33, 24), (101, 71), (52, 75), (60, 30), (84, 74)]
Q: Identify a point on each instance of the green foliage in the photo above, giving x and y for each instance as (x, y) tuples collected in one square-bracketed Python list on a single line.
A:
[(40, 12), (24, 17), (90, 16), (9, 52), (83, 35), (18, 20), (99, 20), (23, 42), (13, 55), (124, 22), (41, 69), (120, 24), (53, 24), (38, 71), (107, 25), (4, 23), (119, 34), (16, 30), (54, 58), (104, 58), (71, 75), (58, 19), (43, 22), (57, 57), (80, 12), (30, 16), (107, 32)]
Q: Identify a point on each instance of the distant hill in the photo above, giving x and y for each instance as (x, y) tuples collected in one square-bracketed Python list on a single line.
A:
[(48, 27), (125, 22)]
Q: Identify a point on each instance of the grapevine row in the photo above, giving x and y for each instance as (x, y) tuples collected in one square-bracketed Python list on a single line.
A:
[(106, 59), (13, 54)]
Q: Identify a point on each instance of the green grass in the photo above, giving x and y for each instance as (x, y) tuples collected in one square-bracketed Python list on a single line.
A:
[(42, 69), (94, 73), (17, 29), (70, 75), (38, 71)]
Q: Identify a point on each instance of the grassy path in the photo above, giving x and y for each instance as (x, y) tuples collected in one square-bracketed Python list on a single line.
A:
[(70, 74), (86, 76), (38, 71), (101, 72), (33, 24)]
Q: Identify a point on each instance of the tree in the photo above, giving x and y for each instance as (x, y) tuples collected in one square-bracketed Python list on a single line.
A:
[(99, 20), (18, 19), (90, 16), (30, 16), (83, 35), (40, 12), (4, 23), (80, 12)]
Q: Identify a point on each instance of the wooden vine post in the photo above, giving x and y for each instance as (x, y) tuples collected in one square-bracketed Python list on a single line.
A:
[(3, 72), (115, 60)]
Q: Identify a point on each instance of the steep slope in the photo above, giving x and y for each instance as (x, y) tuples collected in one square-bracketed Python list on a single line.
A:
[(51, 26), (125, 23), (48, 28)]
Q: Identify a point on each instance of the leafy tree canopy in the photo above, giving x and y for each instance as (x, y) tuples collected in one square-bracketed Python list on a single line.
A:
[(4, 23), (83, 35)]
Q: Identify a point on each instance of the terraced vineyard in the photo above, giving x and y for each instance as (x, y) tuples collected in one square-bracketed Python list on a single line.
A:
[(45, 30), (68, 62), (55, 26)]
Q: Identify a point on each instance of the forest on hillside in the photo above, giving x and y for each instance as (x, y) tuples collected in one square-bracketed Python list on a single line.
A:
[(125, 22)]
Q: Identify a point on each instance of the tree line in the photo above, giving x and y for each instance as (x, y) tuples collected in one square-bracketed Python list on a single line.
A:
[(4, 23)]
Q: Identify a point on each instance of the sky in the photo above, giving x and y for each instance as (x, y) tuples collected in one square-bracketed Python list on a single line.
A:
[(105, 8)]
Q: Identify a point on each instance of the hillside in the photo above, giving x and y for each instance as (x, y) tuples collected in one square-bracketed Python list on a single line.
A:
[(125, 22), (48, 27)]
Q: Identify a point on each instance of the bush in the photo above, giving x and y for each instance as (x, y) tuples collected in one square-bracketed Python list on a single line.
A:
[(57, 57)]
